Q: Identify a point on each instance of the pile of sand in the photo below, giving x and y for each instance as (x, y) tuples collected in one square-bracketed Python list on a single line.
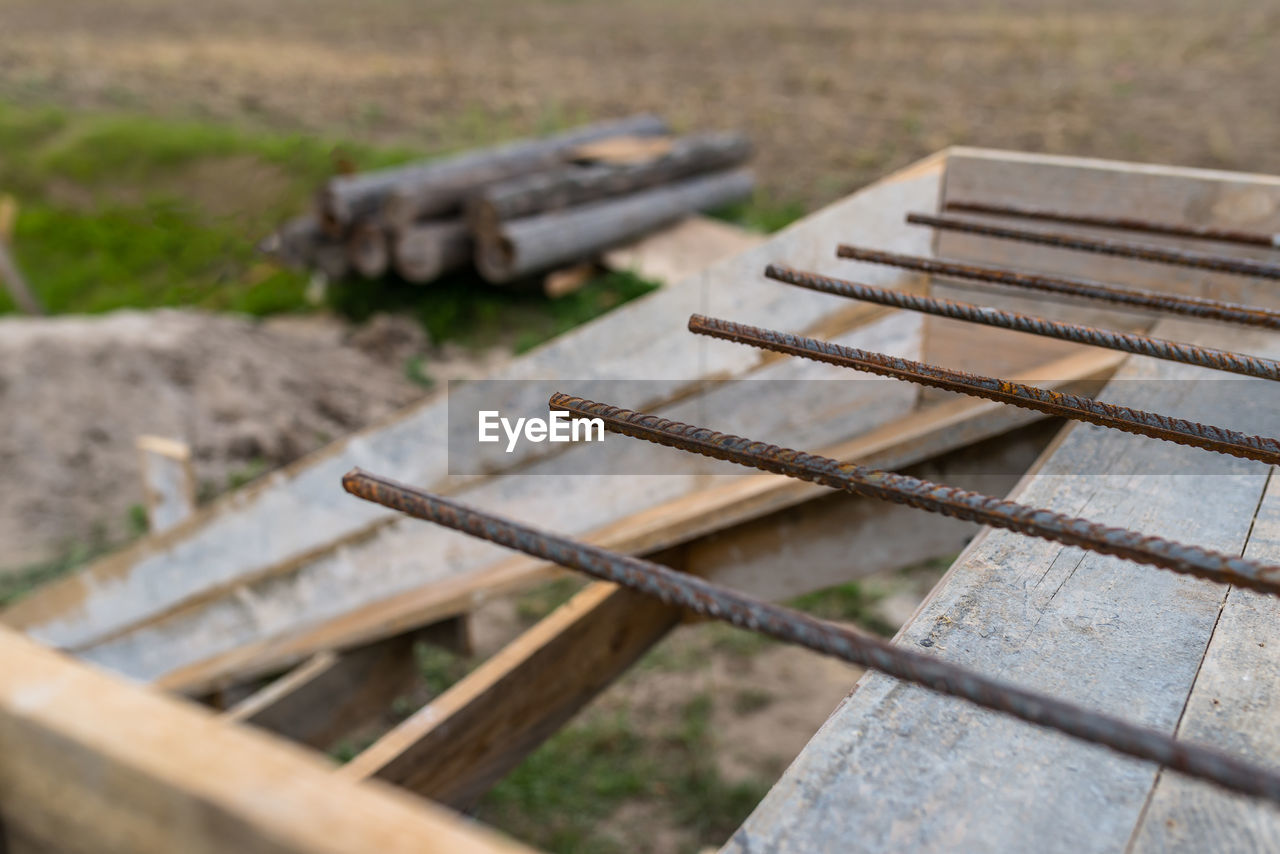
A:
[(246, 396)]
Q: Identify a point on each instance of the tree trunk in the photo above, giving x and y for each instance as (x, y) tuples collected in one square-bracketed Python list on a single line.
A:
[(524, 246), (574, 185), (420, 190), (426, 251), (369, 251)]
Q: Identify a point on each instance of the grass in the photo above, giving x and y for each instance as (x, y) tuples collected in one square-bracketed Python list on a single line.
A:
[(130, 211), (558, 798), (539, 601), (15, 585), (135, 212), (849, 603)]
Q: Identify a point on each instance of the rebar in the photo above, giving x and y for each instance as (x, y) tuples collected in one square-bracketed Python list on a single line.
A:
[(1142, 345), (1165, 303), (934, 497), (685, 591), (1075, 407), (1116, 248), (1194, 232)]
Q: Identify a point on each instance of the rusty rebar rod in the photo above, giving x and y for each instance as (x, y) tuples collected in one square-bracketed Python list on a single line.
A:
[(1165, 303), (934, 497), (1194, 232), (681, 590), (1141, 251), (1076, 407), (1142, 345)]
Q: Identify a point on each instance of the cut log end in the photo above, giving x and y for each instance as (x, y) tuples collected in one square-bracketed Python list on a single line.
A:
[(426, 252), (496, 258), (369, 251)]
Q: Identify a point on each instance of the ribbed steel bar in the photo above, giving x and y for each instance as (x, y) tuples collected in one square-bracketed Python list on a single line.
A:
[(711, 600), (1142, 345), (936, 498), (1189, 306), (1073, 406), (1194, 232), (1141, 251)]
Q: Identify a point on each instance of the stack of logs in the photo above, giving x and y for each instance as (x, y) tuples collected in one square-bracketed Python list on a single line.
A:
[(517, 209)]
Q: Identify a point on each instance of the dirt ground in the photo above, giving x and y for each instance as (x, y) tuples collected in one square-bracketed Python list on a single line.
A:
[(246, 396), (833, 93)]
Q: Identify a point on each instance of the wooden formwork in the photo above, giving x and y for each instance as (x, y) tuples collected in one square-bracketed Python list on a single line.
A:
[(291, 573)]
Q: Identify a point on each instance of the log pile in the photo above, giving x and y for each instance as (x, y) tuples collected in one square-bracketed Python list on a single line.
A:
[(518, 209)]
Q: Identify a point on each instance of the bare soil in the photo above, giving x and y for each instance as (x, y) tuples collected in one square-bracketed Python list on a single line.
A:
[(246, 396), (833, 93)]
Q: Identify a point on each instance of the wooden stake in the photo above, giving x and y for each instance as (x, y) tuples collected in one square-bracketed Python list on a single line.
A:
[(10, 275)]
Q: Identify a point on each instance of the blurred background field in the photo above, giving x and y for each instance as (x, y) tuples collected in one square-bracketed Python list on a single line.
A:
[(151, 144)]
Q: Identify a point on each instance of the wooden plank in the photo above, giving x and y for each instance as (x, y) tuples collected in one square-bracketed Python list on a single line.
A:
[(1235, 704), (332, 694), (899, 443), (457, 746), (168, 481), (899, 768), (298, 514), (688, 247), (89, 763), (1086, 186)]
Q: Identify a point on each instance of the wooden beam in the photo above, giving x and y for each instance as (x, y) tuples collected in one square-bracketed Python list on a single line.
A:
[(334, 693), (89, 763), (455, 748), (10, 275)]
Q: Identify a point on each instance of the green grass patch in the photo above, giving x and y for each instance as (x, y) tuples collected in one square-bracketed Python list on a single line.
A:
[(129, 211), (560, 797), (850, 603), (14, 585), (537, 602)]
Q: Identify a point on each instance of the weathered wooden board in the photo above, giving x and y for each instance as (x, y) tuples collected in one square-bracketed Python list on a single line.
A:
[(457, 746), (675, 253), (1086, 186), (1235, 704), (918, 436), (900, 768), (299, 513), (559, 491), (90, 764)]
